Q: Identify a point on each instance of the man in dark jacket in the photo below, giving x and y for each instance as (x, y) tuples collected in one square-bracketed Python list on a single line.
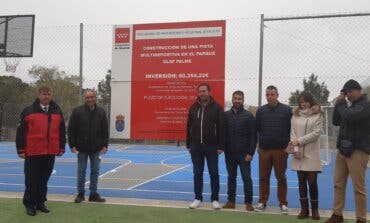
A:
[(205, 140), (273, 126), (40, 137), (240, 145), (352, 114), (88, 136)]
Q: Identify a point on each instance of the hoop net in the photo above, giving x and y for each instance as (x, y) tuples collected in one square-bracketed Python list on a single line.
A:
[(11, 63)]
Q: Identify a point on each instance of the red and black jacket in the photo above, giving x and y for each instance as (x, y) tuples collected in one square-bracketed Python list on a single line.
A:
[(41, 133)]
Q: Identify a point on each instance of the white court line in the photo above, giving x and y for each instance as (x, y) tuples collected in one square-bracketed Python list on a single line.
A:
[(120, 189), (22, 174), (13, 184), (152, 179), (253, 178), (182, 192), (174, 157), (189, 181), (112, 170), (148, 152)]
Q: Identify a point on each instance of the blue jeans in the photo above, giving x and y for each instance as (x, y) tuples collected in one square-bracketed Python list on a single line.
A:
[(232, 163), (94, 171), (198, 154)]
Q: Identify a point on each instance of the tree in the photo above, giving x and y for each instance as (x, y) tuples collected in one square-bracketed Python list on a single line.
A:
[(318, 90), (104, 92), (104, 89), (14, 96), (65, 87)]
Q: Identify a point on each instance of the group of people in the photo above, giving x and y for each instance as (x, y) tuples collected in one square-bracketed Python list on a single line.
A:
[(280, 131), (41, 135)]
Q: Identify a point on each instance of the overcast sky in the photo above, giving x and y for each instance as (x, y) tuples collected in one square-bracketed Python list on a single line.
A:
[(334, 48), (69, 12)]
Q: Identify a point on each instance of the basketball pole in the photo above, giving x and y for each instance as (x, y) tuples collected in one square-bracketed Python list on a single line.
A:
[(81, 61)]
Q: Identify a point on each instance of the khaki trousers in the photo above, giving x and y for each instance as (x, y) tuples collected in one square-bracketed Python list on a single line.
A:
[(354, 166)]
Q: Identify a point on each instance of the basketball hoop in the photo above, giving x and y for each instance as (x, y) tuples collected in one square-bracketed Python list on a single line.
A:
[(11, 63)]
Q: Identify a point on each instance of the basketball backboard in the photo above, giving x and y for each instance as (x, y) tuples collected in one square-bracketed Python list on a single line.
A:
[(17, 35)]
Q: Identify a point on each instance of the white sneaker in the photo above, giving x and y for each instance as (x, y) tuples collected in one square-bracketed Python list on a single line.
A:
[(196, 204), (216, 205), (284, 209), (260, 207)]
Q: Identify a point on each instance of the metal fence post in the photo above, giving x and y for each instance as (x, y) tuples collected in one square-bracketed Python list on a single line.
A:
[(260, 62), (81, 61)]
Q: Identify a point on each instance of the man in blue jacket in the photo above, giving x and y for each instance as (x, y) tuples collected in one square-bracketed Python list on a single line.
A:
[(273, 126), (240, 145)]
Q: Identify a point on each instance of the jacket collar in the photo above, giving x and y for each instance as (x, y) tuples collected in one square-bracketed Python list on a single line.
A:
[(273, 107), (88, 108), (211, 101), (316, 109), (36, 104), (362, 98), (238, 111)]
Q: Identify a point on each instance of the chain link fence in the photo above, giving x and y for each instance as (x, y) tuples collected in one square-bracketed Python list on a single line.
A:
[(333, 49)]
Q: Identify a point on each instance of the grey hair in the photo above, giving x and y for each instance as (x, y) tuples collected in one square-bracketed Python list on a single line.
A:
[(89, 90)]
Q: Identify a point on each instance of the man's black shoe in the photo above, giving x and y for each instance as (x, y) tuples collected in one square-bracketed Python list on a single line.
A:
[(43, 208), (96, 198), (31, 211), (79, 198)]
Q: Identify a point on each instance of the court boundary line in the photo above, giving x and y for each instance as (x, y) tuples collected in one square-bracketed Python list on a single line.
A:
[(157, 177), (112, 170), (174, 157)]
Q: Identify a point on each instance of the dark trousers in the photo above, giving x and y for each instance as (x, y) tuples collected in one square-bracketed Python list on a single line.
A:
[(37, 170), (310, 178), (276, 159), (232, 163), (198, 154)]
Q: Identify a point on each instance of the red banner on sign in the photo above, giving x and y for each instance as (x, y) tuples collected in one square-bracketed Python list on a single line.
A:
[(169, 61)]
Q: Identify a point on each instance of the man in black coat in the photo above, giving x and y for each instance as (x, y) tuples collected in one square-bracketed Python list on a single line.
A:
[(352, 114), (88, 137), (205, 141), (240, 145)]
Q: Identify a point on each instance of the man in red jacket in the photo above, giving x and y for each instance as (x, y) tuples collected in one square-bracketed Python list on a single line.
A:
[(40, 137)]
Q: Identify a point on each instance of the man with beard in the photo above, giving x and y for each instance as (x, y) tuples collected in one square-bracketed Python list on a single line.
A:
[(240, 145), (205, 140)]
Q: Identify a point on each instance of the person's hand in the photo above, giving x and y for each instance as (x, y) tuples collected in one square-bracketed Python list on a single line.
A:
[(219, 151), (340, 97), (104, 150), (248, 158), (22, 155), (189, 149), (73, 150), (60, 153), (294, 142), (297, 155)]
